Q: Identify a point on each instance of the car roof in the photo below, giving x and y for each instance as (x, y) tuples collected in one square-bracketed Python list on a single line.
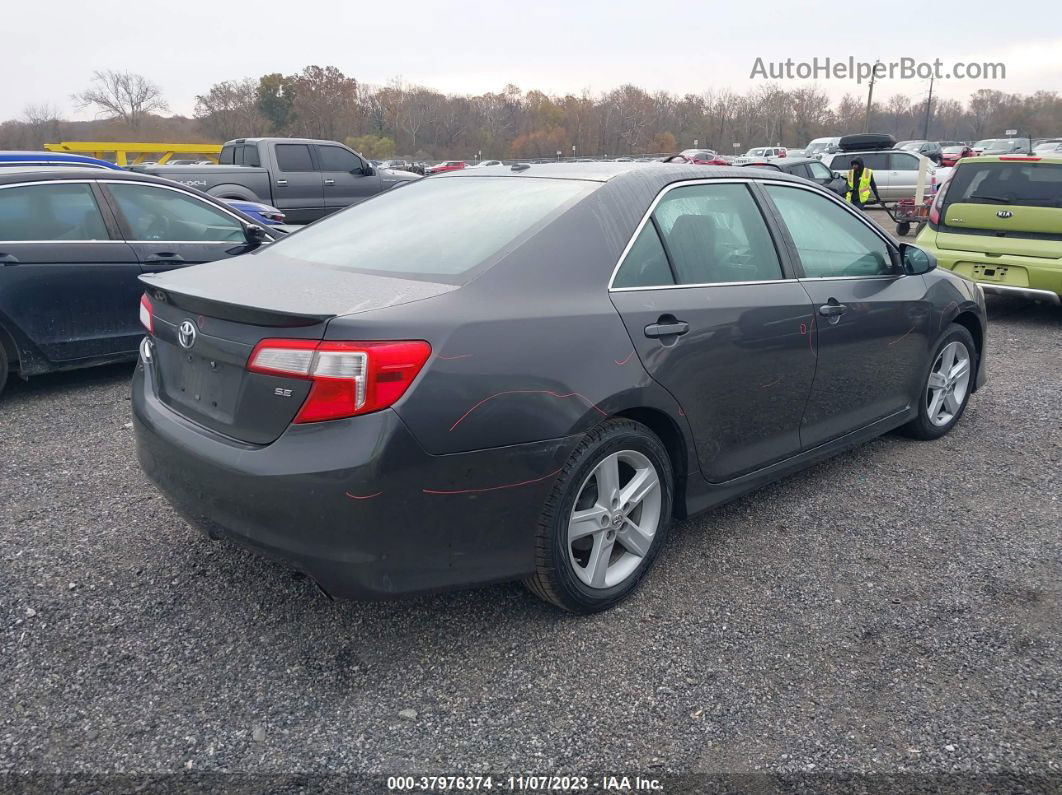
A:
[(786, 161), (51, 158), (73, 173), (1051, 159), (653, 175)]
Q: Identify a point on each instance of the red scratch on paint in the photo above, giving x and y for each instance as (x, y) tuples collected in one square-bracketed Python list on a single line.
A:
[(682, 413), (529, 392), (452, 358), (494, 488), (362, 497), (624, 361), (904, 334), (775, 382), (803, 328)]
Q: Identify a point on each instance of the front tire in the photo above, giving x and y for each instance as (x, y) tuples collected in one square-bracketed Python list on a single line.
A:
[(605, 519), (947, 386)]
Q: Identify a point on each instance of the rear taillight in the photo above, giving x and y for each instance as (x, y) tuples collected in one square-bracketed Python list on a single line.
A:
[(146, 319), (938, 203), (348, 378), (1017, 157)]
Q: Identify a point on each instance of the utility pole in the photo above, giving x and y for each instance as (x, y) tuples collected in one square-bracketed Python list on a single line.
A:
[(870, 96), (929, 105)]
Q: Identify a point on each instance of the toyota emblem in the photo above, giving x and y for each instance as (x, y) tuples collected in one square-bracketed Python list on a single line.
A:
[(1004, 214), (186, 334)]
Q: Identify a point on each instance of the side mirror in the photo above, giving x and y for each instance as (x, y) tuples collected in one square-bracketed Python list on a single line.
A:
[(916, 261), (367, 170), (838, 175), (254, 234)]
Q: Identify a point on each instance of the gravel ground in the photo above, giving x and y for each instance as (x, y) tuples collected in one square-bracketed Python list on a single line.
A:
[(894, 609)]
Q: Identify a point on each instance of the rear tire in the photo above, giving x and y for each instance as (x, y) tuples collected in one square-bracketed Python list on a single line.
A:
[(605, 520), (946, 386), (903, 229)]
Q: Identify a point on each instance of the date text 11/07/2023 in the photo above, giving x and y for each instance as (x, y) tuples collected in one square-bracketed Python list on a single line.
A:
[(522, 783)]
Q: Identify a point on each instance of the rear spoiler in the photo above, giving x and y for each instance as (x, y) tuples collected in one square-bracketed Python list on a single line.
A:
[(238, 313)]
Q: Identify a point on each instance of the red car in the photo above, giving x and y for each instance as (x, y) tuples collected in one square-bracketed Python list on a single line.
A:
[(950, 155), (698, 157), (448, 165)]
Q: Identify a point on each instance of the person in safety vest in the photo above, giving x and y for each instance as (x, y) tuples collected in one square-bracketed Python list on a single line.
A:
[(860, 184)]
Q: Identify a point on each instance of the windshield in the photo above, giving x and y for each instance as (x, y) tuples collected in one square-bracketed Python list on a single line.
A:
[(910, 146), (1032, 184), (437, 229), (993, 143), (953, 150)]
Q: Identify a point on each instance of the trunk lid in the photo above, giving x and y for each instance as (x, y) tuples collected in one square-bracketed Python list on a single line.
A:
[(1011, 229), (208, 319)]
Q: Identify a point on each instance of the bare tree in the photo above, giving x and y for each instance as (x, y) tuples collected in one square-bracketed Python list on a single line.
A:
[(230, 109), (122, 95)]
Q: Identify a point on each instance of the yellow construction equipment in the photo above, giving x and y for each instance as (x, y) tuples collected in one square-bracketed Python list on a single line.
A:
[(129, 154)]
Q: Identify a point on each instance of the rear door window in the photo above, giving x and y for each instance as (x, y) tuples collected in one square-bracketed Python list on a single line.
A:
[(157, 213), (294, 157), (873, 160), (716, 234), (898, 161), (646, 263), (51, 211), (1027, 183)]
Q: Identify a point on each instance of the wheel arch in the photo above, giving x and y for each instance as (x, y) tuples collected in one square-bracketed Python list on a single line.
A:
[(668, 431), (231, 191), (7, 342), (968, 320)]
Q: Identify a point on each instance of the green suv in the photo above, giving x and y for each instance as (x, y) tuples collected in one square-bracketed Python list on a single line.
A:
[(998, 221)]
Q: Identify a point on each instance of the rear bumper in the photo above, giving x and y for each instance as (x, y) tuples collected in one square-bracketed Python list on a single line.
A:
[(1022, 292), (356, 504), (1034, 278)]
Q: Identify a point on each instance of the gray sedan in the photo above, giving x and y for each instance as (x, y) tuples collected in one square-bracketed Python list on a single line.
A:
[(537, 380)]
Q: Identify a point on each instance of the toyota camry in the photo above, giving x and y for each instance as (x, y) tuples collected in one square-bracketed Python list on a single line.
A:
[(529, 373)]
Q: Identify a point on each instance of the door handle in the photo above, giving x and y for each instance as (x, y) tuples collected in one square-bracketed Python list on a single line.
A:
[(832, 309), (8, 259), (162, 257), (283, 183), (330, 181), (667, 327)]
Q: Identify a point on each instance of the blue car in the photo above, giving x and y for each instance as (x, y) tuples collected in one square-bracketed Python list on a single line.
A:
[(54, 159), (265, 214)]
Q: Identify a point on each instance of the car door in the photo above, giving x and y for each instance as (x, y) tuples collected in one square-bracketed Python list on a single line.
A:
[(718, 321), (903, 175), (298, 185), (347, 178), (871, 325), (170, 228), (66, 282)]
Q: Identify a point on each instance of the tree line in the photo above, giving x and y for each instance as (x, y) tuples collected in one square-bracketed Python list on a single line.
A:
[(399, 119)]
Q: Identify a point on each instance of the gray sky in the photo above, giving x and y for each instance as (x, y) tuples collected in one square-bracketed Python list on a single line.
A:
[(471, 46)]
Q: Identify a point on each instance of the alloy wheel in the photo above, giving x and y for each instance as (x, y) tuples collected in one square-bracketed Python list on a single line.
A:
[(949, 382), (614, 520)]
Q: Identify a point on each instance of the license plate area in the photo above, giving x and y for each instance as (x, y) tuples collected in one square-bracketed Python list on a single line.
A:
[(199, 385), (993, 273)]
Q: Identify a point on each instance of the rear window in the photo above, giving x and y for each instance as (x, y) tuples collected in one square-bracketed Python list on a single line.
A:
[(1029, 184), (438, 229)]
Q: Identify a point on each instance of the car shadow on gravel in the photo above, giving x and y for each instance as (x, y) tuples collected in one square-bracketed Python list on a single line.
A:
[(67, 381)]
